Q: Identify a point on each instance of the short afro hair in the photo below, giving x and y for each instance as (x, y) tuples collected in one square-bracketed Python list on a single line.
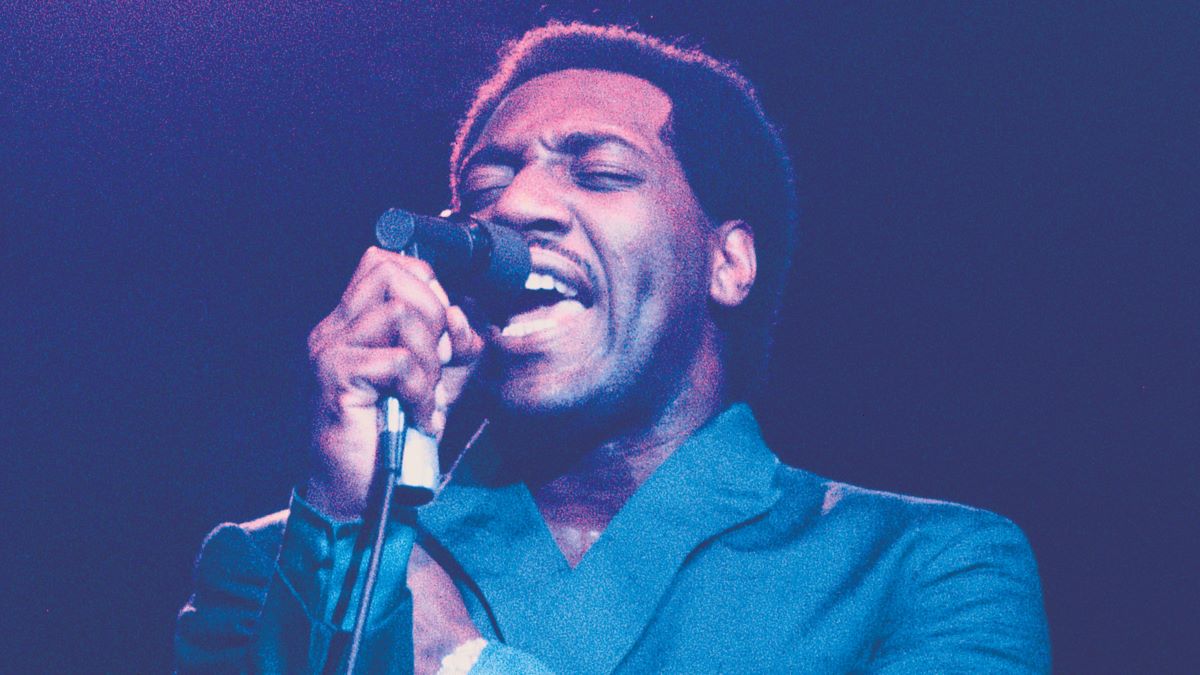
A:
[(732, 155)]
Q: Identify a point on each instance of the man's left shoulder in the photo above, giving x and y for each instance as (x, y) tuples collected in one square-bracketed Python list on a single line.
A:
[(916, 523)]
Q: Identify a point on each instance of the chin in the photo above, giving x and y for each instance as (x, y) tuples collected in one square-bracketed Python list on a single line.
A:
[(523, 397), (533, 385), (594, 395), (543, 397), (544, 426)]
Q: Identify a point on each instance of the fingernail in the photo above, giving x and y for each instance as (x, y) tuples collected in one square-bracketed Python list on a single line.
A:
[(440, 397), (440, 292), (444, 350)]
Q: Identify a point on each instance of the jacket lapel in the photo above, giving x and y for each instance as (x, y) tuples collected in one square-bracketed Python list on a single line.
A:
[(587, 619)]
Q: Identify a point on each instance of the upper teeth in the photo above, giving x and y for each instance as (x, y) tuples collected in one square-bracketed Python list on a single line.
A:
[(544, 282)]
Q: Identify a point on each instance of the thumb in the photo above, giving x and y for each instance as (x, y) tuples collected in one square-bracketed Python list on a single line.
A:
[(466, 344)]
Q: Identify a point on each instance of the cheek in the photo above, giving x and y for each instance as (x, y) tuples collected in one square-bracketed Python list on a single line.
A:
[(667, 287), (656, 248)]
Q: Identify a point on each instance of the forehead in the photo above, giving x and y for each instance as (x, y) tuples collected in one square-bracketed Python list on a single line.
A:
[(568, 101)]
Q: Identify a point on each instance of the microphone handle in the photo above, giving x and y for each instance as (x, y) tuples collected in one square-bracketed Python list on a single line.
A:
[(408, 454), (408, 460)]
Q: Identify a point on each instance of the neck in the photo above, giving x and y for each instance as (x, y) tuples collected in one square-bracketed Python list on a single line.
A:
[(580, 494)]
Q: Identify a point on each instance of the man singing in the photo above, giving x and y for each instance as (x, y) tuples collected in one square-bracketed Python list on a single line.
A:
[(619, 511)]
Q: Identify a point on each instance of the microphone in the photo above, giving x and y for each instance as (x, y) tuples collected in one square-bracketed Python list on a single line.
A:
[(484, 261), (488, 262)]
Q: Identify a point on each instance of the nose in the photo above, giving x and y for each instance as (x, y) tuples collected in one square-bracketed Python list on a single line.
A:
[(532, 203)]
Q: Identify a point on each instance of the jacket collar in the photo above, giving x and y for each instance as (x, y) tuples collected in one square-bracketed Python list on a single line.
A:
[(588, 618)]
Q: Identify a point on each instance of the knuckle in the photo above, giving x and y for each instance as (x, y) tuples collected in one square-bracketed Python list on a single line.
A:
[(406, 312), (345, 400), (329, 364), (414, 381), (392, 281), (402, 361), (418, 382), (399, 308), (316, 342), (419, 268), (410, 367), (372, 255)]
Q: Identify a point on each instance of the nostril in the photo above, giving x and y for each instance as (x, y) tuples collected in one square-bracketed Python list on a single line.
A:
[(534, 230), (543, 225)]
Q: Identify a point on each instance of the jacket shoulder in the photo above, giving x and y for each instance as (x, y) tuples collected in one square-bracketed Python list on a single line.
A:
[(230, 581), (241, 550), (833, 504), (266, 532)]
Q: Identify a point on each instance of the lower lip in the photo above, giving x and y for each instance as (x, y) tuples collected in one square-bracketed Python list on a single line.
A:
[(549, 326)]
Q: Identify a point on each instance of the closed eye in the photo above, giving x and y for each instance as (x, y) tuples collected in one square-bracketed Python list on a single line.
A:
[(605, 179), (477, 199), (483, 184)]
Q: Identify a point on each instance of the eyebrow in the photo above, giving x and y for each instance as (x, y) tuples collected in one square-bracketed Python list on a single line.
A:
[(580, 142), (576, 143)]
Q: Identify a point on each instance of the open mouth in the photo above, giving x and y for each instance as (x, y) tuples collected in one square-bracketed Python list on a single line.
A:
[(551, 296)]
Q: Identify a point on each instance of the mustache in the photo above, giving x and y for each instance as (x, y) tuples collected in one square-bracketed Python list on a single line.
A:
[(554, 247)]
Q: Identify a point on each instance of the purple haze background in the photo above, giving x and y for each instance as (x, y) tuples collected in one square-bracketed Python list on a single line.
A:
[(994, 299)]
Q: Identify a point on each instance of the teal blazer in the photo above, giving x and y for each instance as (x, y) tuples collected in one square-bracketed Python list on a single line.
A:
[(725, 560)]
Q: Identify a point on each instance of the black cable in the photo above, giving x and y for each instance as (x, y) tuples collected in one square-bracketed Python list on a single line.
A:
[(391, 454)]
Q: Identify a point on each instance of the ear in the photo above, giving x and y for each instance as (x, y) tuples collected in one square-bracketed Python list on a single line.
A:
[(734, 263)]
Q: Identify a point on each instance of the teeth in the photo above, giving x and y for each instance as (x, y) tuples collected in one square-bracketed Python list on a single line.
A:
[(569, 307), (563, 289), (527, 327), (538, 281)]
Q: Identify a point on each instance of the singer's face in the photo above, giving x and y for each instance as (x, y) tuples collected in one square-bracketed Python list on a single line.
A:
[(577, 160)]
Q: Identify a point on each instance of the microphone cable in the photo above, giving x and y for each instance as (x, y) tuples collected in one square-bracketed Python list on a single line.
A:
[(492, 260), (392, 441)]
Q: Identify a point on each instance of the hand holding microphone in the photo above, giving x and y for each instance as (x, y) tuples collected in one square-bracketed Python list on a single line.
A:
[(396, 332)]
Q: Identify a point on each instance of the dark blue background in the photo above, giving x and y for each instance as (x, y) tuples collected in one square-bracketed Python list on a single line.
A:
[(994, 300)]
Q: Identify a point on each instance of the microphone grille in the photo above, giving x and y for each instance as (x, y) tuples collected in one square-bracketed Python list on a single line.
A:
[(395, 228)]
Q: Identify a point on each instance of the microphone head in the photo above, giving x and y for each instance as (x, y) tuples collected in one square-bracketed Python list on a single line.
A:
[(509, 264), (395, 229), (487, 262)]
